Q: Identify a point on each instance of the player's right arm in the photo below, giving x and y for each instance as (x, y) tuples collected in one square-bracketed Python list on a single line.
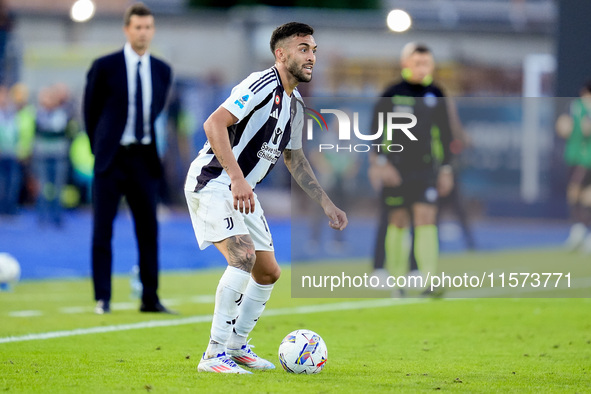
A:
[(235, 108), (216, 130)]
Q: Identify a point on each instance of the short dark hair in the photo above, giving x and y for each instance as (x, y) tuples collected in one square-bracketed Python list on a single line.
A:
[(414, 47), (422, 48), (287, 30), (139, 9)]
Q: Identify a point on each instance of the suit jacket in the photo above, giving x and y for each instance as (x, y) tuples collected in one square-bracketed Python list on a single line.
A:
[(106, 103)]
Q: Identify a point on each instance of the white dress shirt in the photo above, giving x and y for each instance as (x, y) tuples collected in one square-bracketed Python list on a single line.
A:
[(131, 60)]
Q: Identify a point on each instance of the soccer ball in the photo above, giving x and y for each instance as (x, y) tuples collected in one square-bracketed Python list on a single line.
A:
[(10, 270), (303, 351)]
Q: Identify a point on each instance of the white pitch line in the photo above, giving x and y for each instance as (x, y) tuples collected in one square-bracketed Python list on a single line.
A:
[(202, 299), (75, 309), (379, 303), (121, 306), (116, 306), (25, 313)]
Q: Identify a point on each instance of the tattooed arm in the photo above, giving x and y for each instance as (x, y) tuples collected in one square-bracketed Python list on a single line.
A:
[(300, 169), (216, 130)]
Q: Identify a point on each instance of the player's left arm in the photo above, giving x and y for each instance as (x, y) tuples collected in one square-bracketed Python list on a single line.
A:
[(300, 169)]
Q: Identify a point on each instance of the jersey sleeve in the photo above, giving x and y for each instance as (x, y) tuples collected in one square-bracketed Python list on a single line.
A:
[(243, 100), (297, 123)]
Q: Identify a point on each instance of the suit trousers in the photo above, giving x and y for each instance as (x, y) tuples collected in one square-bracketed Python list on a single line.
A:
[(130, 176)]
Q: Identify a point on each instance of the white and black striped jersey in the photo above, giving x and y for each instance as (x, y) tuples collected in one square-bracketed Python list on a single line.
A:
[(269, 121)]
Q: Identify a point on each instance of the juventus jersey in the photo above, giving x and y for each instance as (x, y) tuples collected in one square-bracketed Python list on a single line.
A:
[(269, 121)]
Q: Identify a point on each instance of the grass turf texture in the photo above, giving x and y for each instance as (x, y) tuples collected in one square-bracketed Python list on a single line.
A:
[(471, 345)]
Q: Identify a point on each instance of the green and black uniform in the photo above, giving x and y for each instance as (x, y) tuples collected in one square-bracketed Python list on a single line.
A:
[(577, 150), (419, 161), (577, 155)]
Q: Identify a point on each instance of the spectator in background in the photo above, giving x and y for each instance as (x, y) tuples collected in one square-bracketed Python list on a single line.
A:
[(6, 21), (25, 119), (10, 171), (51, 154), (575, 127), (82, 161), (65, 100)]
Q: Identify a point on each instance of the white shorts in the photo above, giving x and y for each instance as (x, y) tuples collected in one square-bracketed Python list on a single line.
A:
[(215, 219)]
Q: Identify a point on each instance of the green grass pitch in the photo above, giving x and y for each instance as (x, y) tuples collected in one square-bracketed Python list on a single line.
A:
[(374, 345)]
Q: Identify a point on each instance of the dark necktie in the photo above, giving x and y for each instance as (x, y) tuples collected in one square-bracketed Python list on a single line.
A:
[(139, 105)]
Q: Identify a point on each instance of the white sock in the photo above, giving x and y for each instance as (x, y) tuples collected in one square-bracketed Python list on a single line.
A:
[(253, 305), (228, 296)]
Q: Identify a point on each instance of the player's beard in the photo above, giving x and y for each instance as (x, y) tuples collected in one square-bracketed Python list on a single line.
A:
[(298, 71)]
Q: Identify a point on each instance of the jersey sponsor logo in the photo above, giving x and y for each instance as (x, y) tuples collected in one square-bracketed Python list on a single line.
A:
[(229, 223), (241, 101), (276, 135), (269, 153)]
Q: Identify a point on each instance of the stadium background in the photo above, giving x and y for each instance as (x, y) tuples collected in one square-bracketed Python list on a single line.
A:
[(512, 176)]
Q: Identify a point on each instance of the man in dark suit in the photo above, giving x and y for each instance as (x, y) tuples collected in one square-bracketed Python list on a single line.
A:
[(125, 92)]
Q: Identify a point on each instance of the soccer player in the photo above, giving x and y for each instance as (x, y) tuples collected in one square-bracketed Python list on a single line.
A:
[(575, 127), (262, 118), (411, 181)]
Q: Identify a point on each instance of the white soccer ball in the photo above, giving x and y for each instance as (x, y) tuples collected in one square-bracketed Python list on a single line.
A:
[(303, 351), (10, 270)]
